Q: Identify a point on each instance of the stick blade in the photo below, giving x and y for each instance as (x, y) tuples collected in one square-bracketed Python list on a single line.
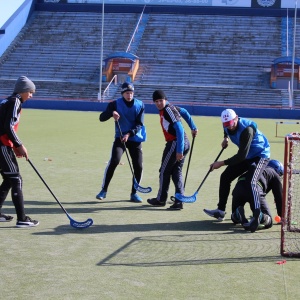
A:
[(80, 225), (186, 199), (141, 189)]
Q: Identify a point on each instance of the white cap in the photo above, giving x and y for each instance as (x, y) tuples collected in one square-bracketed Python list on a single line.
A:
[(227, 117)]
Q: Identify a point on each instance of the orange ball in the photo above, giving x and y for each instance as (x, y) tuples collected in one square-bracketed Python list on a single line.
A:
[(277, 219)]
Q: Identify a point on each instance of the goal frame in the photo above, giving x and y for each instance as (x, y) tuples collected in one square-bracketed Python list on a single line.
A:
[(287, 226)]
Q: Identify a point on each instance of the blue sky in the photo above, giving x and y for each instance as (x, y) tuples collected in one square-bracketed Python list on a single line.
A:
[(7, 8)]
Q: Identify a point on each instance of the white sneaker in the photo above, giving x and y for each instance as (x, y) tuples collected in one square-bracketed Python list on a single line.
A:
[(216, 213), (28, 222)]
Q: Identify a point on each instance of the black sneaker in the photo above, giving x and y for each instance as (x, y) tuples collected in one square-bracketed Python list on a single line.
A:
[(5, 218), (176, 206), (255, 221), (155, 202), (216, 213), (240, 211), (266, 221), (28, 222)]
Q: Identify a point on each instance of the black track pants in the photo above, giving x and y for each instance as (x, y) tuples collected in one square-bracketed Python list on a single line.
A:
[(11, 180), (135, 152)]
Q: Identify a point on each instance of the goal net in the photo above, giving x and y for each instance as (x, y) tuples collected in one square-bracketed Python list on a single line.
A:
[(290, 229)]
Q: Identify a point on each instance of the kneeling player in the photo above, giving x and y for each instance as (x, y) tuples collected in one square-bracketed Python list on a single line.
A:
[(270, 181)]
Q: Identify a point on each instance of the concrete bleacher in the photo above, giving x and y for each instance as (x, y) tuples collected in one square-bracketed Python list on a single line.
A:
[(219, 57), (199, 59), (61, 52)]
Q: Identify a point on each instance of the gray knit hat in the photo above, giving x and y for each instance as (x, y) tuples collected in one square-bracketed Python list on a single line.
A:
[(23, 85)]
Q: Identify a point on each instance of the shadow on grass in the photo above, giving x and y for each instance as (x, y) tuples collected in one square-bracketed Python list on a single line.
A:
[(192, 249), (186, 226), (84, 207)]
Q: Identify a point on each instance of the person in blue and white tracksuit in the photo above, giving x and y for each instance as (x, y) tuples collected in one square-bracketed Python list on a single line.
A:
[(252, 156), (129, 113), (176, 148)]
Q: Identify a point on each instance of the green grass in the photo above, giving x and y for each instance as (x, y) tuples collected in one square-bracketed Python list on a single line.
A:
[(133, 251)]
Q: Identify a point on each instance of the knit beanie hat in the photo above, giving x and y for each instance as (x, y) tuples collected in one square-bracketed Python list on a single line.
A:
[(127, 86), (159, 94), (23, 85)]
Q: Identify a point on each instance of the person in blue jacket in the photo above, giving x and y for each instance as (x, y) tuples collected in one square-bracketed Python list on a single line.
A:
[(129, 113), (252, 156), (176, 148)]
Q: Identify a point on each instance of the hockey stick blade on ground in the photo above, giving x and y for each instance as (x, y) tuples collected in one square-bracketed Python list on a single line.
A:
[(172, 198), (193, 198), (139, 188), (73, 223)]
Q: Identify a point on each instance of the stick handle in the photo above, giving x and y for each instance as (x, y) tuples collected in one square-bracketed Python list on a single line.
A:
[(209, 171), (37, 172), (118, 124), (187, 169)]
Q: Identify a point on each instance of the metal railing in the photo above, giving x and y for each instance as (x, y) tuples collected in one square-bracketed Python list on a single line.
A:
[(106, 92), (135, 30)]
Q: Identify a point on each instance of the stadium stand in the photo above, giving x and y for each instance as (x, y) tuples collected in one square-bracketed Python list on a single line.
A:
[(207, 60)]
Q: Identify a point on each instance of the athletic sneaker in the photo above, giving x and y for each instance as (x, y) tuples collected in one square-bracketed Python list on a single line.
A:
[(155, 202), (28, 222), (240, 213), (5, 218), (176, 206), (255, 221), (234, 218), (216, 213), (101, 195), (266, 221), (135, 198)]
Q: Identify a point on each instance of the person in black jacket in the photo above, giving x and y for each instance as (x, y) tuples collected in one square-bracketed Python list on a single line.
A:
[(269, 181), (252, 157), (10, 148)]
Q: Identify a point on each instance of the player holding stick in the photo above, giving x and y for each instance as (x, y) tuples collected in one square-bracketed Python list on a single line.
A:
[(252, 156), (11, 147), (177, 147)]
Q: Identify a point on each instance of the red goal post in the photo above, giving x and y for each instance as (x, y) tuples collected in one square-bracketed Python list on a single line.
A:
[(290, 227)]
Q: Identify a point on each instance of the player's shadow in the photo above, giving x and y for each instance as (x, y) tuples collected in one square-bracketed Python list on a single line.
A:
[(185, 226)]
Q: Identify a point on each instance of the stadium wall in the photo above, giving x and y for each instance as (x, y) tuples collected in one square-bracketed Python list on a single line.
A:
[(267, 113), (204, 7)]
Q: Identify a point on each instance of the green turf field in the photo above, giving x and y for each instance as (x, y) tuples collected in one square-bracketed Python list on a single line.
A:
[(133, 251)]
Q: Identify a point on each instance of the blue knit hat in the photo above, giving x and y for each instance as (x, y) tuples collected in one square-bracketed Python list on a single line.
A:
[(127, 86)]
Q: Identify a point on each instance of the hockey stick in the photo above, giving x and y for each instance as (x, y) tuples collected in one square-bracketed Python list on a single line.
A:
[(188, 166), (135, 183), (193, 198), (73, 223), (172, 198)]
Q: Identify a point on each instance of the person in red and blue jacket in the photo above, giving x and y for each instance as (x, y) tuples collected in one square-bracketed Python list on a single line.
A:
[(175, 151)]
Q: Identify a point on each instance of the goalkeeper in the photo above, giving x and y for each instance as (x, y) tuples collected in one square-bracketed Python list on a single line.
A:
[(269, 181)]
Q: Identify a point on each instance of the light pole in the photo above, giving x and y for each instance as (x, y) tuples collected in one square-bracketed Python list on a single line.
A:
[(101, 55), (293, 58)]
